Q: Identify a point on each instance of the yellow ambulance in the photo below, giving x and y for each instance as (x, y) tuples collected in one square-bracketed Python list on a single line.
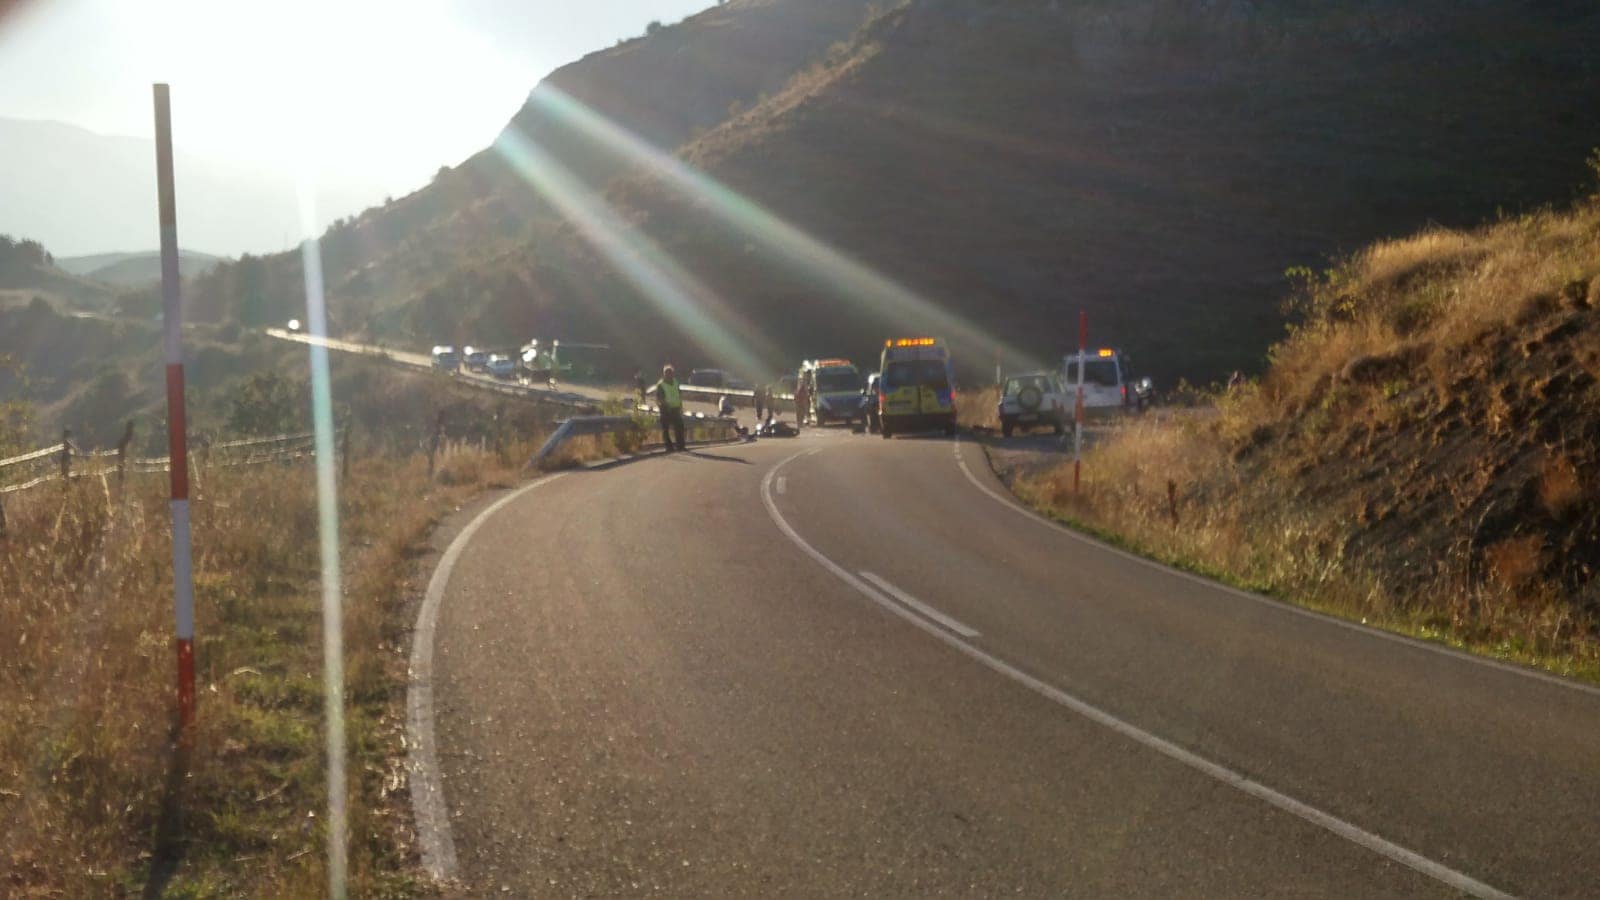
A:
[(916, 386)]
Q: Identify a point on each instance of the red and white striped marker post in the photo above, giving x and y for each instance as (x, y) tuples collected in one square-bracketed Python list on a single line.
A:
[(177, 429), (1077, 420)]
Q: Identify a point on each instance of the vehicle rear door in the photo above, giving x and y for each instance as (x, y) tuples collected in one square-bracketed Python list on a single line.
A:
[(900, 389), (934, 394), (1102, 383)]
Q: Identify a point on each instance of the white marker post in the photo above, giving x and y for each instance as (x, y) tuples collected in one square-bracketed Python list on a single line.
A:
[(177, 427), (1077, 421)]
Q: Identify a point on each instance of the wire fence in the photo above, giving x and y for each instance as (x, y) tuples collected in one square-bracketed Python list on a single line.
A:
[(65, 461)]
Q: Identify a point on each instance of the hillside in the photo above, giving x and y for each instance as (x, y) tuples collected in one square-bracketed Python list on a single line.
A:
[(81, 192), (395, 269), (1158, 164), (1423, 451), (27, 270), (135, 269)]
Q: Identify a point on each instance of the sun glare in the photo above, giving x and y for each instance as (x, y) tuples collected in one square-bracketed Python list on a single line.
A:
[(316, 85)]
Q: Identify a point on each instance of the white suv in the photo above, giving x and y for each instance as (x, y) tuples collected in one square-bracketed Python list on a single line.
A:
[(1033, 400)]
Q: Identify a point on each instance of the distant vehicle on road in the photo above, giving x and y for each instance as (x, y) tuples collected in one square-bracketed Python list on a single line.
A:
[(501, 366), (708, 378), (1031, 401), (1109, 385), (446, 359), (736, 384), (916, 386), (837, 397), (477, 360)]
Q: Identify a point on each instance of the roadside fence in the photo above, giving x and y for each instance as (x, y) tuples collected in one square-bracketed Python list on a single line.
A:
[(65, 461)]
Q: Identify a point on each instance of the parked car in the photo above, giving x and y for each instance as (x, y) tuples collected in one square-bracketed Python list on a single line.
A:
[(501, 366), (477, 360), (1109, 385), (837, 392), (1033, 400), (446, 359)]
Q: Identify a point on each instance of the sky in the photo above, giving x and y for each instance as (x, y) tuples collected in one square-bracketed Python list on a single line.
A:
[(375, 93)]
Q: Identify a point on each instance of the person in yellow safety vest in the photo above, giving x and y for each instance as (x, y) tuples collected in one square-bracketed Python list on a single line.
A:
[(670, 401)]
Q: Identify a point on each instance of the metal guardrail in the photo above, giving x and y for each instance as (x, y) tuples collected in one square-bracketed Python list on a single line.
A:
[(592, 425)]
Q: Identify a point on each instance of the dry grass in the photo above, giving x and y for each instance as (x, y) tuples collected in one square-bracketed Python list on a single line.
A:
[(1514, 562), (1559, 488), (1440, 289), (87, 664), (1421, 355), (979, 408)]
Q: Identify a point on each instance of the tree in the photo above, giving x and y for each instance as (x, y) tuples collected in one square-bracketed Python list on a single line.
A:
[(267, 403), (653, 27), (16, 414)]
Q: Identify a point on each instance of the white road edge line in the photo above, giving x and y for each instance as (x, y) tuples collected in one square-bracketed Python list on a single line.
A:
[(1353, 833), (919, 606), (1278, 605), (434, 838)]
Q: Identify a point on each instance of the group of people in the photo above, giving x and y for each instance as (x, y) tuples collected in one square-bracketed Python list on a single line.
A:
[(669, 402)]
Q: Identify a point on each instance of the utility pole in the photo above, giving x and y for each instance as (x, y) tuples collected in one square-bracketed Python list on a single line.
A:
[(177, 426)]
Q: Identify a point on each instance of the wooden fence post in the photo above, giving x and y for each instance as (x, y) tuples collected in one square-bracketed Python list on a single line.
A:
[(433, 442), (66, 455), (122, 456)]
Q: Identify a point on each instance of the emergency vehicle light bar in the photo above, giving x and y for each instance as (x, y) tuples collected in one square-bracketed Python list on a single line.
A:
[(911, 342)]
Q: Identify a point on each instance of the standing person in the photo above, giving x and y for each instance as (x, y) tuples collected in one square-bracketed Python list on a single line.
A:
[(638, 382), (670, 400), (802, 401), (761, 394)]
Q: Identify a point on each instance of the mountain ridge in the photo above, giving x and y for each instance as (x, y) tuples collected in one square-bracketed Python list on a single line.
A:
[(1158, 164)]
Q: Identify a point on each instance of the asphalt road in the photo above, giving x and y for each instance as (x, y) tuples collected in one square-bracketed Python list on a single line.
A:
[(837, 665)]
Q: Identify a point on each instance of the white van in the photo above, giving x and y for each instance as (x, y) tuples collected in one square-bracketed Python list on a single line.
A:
[(1108, 382)]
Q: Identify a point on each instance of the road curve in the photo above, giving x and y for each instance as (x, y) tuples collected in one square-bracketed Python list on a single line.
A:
[(838, 665)]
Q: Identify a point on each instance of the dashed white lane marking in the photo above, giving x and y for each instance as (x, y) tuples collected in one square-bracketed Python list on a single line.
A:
[(916, 604), (783, 484), (1353, 833), (1367, 630), (428, 805)]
